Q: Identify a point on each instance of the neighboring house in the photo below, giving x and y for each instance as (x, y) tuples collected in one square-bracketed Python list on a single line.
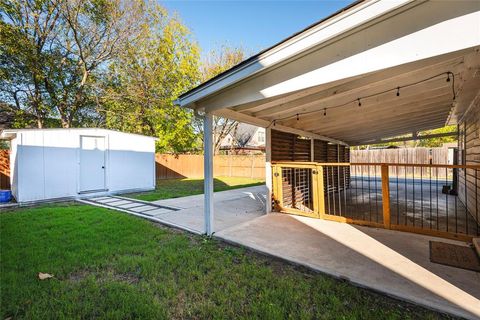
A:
[(245, 138), (74, 163)]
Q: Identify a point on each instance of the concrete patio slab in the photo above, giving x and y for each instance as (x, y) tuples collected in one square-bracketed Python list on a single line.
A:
[(142, 208), (129, 205), (232, 207), (394, 263), (120, 202), (156, 212)]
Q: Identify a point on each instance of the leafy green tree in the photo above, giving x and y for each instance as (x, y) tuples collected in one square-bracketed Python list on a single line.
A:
[(25, 29), (419, 142), (51, 50), (437, 142), (145, 79)]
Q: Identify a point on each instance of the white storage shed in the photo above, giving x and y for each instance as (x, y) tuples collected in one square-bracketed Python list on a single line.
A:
[(72, 163)]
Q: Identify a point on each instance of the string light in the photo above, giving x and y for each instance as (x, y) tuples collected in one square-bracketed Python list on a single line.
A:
[(358, 100)]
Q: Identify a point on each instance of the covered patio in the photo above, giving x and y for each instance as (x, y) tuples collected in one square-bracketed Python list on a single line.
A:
[(377, 71)]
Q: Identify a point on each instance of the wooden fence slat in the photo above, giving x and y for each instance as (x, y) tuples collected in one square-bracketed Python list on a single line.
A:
[(417, 155), (4, 169), (169, 166)]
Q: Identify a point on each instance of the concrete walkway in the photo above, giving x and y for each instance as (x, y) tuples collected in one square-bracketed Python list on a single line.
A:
[(395, 263)]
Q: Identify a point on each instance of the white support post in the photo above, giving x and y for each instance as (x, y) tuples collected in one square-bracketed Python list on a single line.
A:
[(268, 169), (208, 172)]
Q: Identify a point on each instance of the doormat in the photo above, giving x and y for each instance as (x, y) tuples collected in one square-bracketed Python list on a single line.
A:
[(454, 255)]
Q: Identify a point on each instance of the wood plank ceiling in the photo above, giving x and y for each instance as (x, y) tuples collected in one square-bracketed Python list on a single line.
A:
[(418, 107)]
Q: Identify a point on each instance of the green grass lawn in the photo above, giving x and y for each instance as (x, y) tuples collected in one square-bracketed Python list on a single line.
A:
[(174, 188), (111, 265)]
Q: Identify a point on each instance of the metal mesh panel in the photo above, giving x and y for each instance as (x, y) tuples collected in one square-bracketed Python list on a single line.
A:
[(297, 188)]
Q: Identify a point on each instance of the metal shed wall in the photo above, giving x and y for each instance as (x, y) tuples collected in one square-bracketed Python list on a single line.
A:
[(46, 163)]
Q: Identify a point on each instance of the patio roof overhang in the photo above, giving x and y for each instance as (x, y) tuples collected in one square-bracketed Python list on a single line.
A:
[(365, 52)]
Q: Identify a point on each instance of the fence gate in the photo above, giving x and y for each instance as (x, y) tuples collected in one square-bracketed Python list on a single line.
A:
[(419, 198), (296, 188)]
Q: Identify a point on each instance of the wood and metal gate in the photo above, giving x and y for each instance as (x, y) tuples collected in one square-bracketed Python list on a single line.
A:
[(419, 198)]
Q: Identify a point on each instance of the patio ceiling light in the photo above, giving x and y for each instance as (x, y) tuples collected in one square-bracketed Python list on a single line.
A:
[(448, 73)]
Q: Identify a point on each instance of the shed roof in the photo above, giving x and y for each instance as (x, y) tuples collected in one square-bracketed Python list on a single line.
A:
[(10, 133)]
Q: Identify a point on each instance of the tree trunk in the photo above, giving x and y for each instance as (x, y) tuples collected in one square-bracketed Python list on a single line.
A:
[(64, 119), (39, 122)]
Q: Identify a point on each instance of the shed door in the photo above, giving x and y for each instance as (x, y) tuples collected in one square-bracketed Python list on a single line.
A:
[(92, 163)]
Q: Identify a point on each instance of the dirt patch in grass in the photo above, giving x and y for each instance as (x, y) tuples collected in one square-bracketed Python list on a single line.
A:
[(128, 277), (105, 276), (78, 276)]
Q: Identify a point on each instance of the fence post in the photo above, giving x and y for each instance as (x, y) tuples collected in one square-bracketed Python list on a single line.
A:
[(385, 196), (252, 160), (321, 192), (277, 186)]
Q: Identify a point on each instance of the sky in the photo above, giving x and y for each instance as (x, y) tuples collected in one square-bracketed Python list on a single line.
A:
[(252, 25)]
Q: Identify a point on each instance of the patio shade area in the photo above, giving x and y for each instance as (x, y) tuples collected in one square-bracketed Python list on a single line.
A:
[(394, 263), (374, 72)]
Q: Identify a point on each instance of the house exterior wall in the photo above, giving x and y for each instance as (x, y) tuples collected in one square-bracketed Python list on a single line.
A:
[(469, 147), (46, 163), (257, 139)]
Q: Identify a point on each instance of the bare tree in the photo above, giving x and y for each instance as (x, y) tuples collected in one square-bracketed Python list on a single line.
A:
[(241, 139), (218, 61)]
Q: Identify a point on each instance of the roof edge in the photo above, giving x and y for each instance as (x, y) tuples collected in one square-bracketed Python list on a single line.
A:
[(257, 56)]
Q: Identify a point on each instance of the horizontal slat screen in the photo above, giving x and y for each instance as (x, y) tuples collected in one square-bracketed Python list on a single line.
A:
[(320, 151), (289, 147)]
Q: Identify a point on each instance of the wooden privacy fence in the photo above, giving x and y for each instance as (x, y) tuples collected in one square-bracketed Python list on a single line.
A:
[(4, 169), (169, 166), (401, 155), (425, 204)]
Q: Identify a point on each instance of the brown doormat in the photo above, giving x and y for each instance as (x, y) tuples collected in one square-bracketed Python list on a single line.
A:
[(454, 255)]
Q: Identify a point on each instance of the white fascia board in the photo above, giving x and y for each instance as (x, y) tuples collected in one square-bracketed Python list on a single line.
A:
[(325, 31), (421, 45)]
